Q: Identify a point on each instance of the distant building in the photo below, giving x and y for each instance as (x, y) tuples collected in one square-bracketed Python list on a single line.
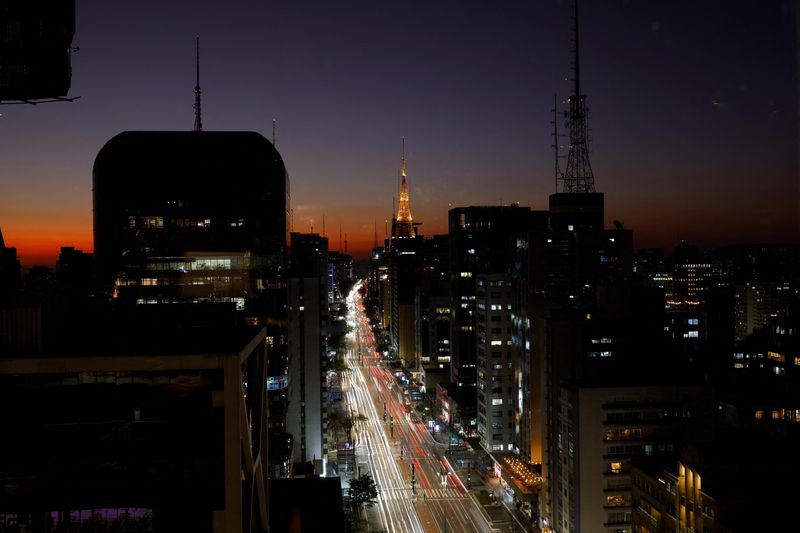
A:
[(378, 288), (9, 271), (340, 278), (692, 277), (432, 312), (75, 271)]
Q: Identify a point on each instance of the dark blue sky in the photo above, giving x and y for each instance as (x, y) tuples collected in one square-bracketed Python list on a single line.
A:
[(693, 109)]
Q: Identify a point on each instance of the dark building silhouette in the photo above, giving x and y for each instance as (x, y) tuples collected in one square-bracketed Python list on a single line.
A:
[(135, 423), (75, 271), (35, 40), (9, 271), (189, 216), (196, 217), (292, 508), (737, 483), (432, 312)]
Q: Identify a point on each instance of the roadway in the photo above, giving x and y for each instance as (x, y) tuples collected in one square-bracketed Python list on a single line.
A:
[(397, 450)]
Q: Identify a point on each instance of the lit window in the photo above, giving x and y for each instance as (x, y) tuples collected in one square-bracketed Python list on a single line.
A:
[(466, 274), (775, 356), (497, 401)]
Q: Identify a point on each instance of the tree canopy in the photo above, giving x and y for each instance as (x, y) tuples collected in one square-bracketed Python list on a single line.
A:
[(363, 492)]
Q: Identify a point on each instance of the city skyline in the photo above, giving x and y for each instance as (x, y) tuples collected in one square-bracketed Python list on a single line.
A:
[(693, 112)]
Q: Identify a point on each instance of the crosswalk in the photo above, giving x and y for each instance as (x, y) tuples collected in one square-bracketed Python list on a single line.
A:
[(442, 494), (401, 493)]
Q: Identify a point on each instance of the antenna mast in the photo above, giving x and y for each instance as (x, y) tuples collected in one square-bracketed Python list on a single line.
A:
[(578, 176), (198, 124), (556, 146)]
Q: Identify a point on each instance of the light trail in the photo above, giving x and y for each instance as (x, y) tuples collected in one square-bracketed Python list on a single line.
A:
[(440, 494)]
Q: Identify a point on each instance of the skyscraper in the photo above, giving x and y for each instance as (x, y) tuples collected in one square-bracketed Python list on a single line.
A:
[(308, 315), (480, 244), (189, 216)]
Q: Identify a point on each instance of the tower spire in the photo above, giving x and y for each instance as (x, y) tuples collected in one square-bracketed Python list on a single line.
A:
[(198, 124), (405, 225), (578, 176)]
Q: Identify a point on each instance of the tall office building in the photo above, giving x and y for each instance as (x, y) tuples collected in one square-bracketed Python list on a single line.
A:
[(308, 316), (481, 243), (495, 373), (194, 217), (189, 216), (432, 312)]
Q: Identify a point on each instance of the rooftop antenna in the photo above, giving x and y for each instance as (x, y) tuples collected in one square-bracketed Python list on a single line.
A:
[(374, 233), (273, 132), (323, 225), (556, 146), (578, 176), (198, 124), (345, 244), (340, 236)]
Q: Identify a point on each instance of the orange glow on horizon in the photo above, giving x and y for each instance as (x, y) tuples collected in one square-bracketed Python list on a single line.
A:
[(42, 248)]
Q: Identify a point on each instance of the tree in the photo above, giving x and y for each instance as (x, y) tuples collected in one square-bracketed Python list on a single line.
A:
[(362, 492), (338, 365)]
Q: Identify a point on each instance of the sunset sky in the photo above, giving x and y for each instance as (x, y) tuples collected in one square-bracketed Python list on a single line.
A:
[(693, 110)]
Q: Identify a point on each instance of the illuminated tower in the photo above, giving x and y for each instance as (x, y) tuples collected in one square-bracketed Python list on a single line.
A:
[(578, 176), (404, 226)]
